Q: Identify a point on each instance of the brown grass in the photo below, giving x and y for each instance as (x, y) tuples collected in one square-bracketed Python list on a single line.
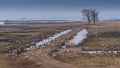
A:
[(100, 35)]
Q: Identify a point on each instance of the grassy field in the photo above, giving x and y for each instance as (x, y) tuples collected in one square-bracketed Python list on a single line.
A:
[(15, 36), (102, 36)]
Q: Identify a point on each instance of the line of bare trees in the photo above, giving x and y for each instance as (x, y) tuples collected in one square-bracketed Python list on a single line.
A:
[(90, 15)]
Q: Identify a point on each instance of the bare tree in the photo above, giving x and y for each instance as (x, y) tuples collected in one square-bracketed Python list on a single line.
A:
[(94, 16), (90, 15), (86, 15)]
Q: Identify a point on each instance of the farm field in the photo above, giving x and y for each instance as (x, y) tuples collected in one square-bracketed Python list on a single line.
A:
[(104, 36)]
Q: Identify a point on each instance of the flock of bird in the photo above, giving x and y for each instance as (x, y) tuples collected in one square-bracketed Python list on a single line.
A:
[(76, 40), (46, 41), (79, 37)]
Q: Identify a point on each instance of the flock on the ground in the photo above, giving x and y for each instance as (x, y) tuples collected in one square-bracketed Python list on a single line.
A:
[(70, 46), (46, 41), (35, 45)]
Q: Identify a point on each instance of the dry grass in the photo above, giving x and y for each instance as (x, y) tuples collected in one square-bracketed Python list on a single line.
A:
[(100, 37), (18, 38), (103, 36), (28, 33)]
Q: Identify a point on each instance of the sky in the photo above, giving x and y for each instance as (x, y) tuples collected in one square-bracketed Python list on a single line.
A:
[(57, 9)]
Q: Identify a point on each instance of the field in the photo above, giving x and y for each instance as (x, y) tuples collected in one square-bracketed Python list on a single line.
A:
[(103, 36)]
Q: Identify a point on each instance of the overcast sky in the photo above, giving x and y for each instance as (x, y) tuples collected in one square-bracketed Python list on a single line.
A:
[(57, 9)]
